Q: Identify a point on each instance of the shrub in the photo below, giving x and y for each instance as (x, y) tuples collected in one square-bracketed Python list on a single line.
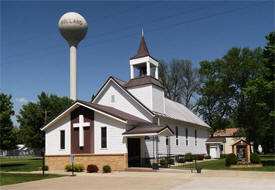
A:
[(255, 158), (188, 157), (46, 168), (194, 157), (231, 159), (92, 168), (200, 156), (77, 167), (181, 160), (207, 157), (106, 169), (163, 162), (170, 161)]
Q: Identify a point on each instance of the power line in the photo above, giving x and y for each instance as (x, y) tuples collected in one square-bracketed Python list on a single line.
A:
[(138, 25), (169, 26)]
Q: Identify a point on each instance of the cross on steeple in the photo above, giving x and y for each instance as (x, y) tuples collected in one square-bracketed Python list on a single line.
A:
[(81, 126)]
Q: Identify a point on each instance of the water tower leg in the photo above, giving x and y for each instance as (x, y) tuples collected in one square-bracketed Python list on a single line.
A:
[(73, 72)]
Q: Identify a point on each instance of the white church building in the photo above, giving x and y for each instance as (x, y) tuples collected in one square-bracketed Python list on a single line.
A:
[(125, 124)]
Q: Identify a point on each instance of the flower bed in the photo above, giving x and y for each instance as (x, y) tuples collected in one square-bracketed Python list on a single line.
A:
[(246, 166)]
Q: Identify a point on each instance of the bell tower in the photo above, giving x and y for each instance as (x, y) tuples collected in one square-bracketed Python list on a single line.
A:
[(143, 61)]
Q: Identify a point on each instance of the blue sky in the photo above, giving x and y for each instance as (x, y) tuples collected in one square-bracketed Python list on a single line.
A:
[(35, 58)]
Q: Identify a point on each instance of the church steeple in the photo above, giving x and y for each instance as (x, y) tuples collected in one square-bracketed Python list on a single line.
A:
[(143, 61), (142, 50)]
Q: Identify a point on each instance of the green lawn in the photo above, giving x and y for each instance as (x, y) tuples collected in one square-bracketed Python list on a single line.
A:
[(268, 162), (20, 164), (11, 178)]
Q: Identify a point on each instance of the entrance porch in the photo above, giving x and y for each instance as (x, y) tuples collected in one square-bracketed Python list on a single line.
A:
[(138, 151)]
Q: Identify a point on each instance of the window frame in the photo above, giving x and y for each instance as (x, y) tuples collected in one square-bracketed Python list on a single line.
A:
[(177, 135), (102, 138), (186, 136), (62, 140), (196, 137)]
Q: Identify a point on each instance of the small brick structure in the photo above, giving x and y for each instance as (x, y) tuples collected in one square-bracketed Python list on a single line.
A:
[(117, 162), (241, 144)]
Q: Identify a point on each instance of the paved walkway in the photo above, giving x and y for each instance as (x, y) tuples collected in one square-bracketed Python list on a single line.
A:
[(213, 180)]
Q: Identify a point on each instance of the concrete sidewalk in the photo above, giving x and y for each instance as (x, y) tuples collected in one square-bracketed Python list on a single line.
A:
[(155, 180)]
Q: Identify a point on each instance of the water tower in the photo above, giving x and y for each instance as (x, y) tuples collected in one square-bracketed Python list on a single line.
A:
[(73, 27)]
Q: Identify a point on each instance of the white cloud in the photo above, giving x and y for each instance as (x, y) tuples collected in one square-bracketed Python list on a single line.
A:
[(21, 100)]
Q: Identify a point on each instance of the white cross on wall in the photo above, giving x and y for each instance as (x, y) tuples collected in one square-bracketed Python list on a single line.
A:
[(81, 126)]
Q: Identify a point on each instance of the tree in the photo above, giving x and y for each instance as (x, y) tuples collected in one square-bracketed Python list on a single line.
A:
[(224, 80), (7, 135), (33, 116), (180, 80), (259, 97)]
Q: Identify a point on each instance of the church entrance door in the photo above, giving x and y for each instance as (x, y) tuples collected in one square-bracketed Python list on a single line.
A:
[(133, 152)]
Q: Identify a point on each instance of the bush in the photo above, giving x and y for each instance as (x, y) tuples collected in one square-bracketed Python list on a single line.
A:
[(163, 163), (231, 159), (170, 161), (200, 156), (207, 157), (189, 157), (181, 160), (77, 167), (255, 158), (46, 168), (106, 169), (92, 168)]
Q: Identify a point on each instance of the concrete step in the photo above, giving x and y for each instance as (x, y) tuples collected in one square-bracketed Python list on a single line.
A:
[(139, 169)]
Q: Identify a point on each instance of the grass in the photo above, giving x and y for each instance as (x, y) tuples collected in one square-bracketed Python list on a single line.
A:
[(20, 164), (268, 162), (12, 178)]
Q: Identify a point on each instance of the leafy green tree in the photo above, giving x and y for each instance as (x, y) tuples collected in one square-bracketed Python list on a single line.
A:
[(33, 116), (7, 135), (180, 80), (224, 80), (259, 105)]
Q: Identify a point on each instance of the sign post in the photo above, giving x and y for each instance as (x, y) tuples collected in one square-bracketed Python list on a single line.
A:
[(72, 161)]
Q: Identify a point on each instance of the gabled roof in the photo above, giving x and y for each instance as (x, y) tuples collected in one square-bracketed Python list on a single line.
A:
[(142, 50), (177, 111), (148, 130), (121, 84), (230, 132), (216, 139), (106, 110), (143, 81)]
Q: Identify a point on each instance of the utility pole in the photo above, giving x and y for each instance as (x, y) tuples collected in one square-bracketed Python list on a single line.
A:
[(43, 148)]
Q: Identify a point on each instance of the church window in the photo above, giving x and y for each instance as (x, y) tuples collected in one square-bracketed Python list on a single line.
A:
[(167, 140), (103, 137), (113, 98), (177, 136), (62, 139), (196, 137), (186, 136)]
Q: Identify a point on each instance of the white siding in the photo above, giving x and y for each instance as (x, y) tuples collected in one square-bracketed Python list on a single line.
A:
[(143, 94), (115, 141), (181, 148), (158, 99), (52, 144), (122, 102), (150, 95)]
